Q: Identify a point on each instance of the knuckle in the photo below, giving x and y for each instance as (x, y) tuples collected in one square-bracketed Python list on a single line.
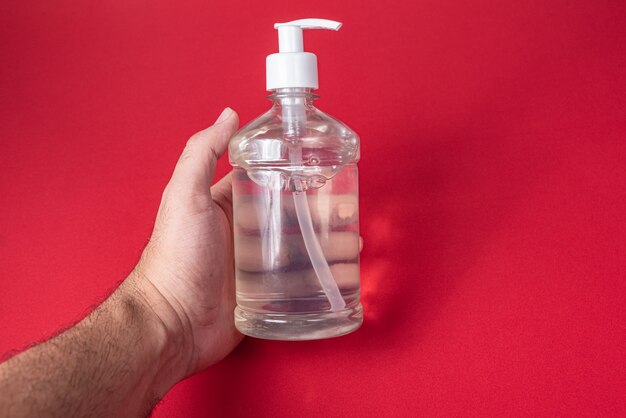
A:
[(193, 139), (187, 153), (213, 154), (167, 194)]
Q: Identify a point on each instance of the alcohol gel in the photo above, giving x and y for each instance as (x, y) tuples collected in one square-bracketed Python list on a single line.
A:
[(295, 200)]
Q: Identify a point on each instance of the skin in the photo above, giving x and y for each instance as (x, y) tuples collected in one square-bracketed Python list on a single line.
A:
[(172, 317)]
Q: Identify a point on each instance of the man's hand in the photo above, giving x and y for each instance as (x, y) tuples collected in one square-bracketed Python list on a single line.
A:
[(170, 318), (187, 268)]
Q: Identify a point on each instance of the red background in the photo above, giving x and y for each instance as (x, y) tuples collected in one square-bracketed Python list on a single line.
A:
[(493, 191)]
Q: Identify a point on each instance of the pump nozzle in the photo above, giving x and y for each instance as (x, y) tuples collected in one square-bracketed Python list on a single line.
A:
[(290, 33), (311, 24), (292, 67)]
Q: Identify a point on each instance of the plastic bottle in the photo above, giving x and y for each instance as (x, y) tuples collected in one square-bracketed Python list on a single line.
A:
[(295, 200)]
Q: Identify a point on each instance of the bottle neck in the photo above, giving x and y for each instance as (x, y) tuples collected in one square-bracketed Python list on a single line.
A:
[(293, 104), (293, 96)]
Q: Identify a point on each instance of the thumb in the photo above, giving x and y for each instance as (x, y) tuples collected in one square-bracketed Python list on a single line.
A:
[(195, 168)]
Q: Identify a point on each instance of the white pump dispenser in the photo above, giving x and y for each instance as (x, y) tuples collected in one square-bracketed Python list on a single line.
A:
[(291, 66)]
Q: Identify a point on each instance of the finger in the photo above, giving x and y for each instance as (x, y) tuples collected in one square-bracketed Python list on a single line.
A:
[(196, 166), (335, 211), (296, 283), (222, 193), (360, 244), (254, 257)]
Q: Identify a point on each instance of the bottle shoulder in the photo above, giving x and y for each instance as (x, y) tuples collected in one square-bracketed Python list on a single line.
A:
[(324, 140)]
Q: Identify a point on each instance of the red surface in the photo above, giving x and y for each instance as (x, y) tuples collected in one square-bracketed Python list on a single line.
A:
[(493, 191)]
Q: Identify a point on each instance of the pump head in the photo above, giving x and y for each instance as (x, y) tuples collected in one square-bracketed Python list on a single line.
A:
[(291, 66)]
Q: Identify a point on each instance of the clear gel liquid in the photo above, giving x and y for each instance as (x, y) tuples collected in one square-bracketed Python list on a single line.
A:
[(279, 295)]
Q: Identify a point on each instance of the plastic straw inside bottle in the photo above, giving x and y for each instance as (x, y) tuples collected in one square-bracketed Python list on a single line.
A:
[(294, 119)]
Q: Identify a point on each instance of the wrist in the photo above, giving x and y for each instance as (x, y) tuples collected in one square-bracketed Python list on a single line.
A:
[(169, 343)]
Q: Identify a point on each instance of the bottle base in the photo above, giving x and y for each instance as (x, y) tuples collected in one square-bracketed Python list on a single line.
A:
[(298, 327)]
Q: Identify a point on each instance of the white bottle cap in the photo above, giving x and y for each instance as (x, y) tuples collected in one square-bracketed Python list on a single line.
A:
[(291, 66)]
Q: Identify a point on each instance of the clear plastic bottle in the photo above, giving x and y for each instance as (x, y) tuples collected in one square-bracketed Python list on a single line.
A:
[(296, 220)]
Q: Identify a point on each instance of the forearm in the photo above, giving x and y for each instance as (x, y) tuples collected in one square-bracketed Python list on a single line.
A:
[(118, 361)]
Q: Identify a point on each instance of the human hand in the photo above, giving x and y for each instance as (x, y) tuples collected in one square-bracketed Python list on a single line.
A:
[(186, 272), (172, 317)]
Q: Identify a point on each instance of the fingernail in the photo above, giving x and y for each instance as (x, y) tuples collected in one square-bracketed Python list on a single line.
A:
[(224, 115)]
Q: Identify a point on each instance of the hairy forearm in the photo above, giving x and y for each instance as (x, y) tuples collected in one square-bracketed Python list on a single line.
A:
[(118, 361)]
